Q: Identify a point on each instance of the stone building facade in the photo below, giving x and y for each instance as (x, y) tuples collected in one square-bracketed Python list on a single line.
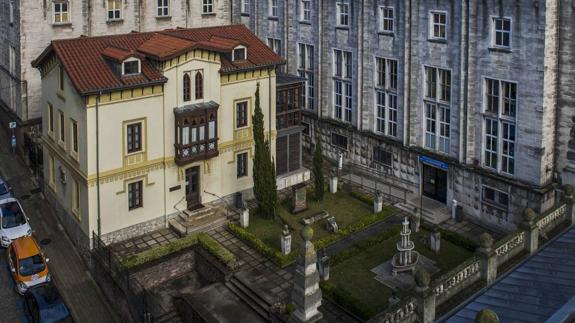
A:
[(465, 101), (31, 25)]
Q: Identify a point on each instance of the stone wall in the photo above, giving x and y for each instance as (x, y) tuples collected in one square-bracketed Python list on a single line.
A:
[(167, 269)]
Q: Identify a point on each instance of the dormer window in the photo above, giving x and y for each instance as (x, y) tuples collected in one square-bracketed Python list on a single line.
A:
[(131, 66), (239, 54)]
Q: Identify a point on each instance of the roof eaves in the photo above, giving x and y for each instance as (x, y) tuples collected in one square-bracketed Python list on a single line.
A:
[(122, 87)]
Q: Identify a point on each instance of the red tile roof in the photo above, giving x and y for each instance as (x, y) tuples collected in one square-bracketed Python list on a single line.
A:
[(89, 61)]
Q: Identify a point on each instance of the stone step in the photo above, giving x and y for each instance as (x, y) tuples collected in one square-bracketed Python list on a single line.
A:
[(177, 227), (197, 214), (249, 297), (208, 225)]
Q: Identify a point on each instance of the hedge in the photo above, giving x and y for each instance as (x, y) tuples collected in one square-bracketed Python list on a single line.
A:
[(276, 256), (219, 251), (362, 197), (365, 244), (158, 252), (452, 237), (345, 299)]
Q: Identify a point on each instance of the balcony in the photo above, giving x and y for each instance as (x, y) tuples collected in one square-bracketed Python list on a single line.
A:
[(196, 136)]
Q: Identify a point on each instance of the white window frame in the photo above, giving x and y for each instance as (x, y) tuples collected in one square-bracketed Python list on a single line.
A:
[(440, 25), (54, 12), (494, 32), (305, 13), (342, 86), (240, 47), (163, 8), (383, 19), (74, 139), (114, 10), (11, 11), (76, 198), (342, 16), (306, 70), (385, 84), (207, 7), (273, 8), (437, 109), (245, 7), (247, 164), (128, 60)]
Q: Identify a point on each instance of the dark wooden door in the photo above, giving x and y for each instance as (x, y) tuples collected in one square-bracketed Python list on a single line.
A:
[(435, 183), (193, 187)]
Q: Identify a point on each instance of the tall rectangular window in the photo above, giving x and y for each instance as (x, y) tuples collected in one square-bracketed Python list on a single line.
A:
[(500, 110), (305, 14), (437, 109), (246, 6), (134, 137), (114, 9), (135, 196), (207, 6), (438, 25), (275, 45), (343, 96), (386, 19), (342, 10), (163, 8), (306, 70), (50, 118), (51, 171), (273, 8), (241, 114), (74, 135), (386, 96), (76, 198), (61, 126), (242, 164), (61, 78), (61, 12), (501, 32)]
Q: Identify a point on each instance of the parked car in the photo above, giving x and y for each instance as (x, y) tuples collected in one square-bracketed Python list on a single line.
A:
[(44, 304), (5, 190), (27, 264), (13, 222)]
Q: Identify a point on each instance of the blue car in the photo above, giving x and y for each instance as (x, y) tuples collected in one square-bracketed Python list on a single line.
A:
[(43, 304), (5, 190)]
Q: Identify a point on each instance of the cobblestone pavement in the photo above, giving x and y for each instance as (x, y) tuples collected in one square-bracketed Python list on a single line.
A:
[(84, 298), (144, 242), (10, 302)]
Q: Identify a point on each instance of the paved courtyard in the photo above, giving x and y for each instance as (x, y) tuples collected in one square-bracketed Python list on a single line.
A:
[(470, 230), (144, 242)]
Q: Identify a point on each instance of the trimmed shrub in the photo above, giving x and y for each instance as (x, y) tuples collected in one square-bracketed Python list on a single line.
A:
[(159, 252), (345, 299), (363, 245), (217, 250), (362, 197)]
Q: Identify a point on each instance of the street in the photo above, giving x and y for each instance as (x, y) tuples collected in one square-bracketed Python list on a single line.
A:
[(83, 297)]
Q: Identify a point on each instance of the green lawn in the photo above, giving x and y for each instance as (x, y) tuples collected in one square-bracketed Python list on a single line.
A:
[(345, 208), (354, 274)]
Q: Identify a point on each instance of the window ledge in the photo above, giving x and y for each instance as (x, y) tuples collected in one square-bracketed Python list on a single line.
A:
[(273, 18), (208, 14), (500, 49), (60, 94), (114, 21), (304, 22), (164, 17), (437, 40), (386, 33), (342, 27), (62, 24), (496, 206), (244, 14)]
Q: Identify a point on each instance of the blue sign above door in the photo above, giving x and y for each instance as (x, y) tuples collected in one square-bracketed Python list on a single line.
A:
[(434, 162)]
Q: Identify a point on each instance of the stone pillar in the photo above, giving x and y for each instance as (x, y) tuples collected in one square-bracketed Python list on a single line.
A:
[(306, 294), (435, 241), (570, 199), (286, 240), (488, 258), (244, 217), (425, 297), (415, 221), (531, 231), (333, 184), (378, 202), (324, 267)]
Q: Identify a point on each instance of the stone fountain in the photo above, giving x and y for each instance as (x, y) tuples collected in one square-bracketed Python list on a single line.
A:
[(406, 258)]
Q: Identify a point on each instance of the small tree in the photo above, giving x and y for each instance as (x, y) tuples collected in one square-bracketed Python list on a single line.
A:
[(263, 169), (318, 178)]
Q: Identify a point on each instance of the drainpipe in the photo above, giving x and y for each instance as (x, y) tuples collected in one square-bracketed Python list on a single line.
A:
[(164, 152), (465, 79), (99, 221), (359, 114), (407, 75), (270, 108), (320, 59)]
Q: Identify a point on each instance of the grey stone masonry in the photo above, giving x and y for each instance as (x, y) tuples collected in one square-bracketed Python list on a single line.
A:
[(502, 148)]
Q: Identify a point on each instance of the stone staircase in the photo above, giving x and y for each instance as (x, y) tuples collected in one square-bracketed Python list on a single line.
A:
[(200, 220), (249, 296), (435, 215)]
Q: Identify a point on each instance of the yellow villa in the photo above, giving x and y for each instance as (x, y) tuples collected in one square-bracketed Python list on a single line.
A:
[(140, 127)]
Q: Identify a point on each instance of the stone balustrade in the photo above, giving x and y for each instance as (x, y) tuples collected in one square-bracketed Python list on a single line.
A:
[(402, 312), (549, 221), (462, 276), (510, 247)]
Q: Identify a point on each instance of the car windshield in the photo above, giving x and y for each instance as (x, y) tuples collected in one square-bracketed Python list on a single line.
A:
[(3, 189), (31, 265), (12, 215)]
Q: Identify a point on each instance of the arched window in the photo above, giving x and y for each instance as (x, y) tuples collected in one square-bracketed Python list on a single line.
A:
[(199, 86), (187, 88)]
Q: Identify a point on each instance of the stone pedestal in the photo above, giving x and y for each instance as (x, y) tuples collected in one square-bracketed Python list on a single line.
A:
[(425, 297), (570, 199), (488, 258), (324, 268), (378, 202), (286, 241), (333, 184), (245, 217), (299, 198), (415, 222), (531, 231), (306, 294), (435, 241)]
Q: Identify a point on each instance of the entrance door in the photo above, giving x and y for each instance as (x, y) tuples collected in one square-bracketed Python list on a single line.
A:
[(193, 187), (435, 183)]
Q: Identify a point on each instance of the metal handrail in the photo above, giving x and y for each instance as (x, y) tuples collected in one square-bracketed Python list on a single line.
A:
[(222, 199)]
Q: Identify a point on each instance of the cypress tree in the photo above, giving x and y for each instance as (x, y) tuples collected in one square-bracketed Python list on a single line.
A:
[(318, 170)]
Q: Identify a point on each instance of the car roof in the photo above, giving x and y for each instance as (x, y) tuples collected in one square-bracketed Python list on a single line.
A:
[(8, 200), (26, 247)]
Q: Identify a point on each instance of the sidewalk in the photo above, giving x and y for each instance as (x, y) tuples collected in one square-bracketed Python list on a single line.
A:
[(71, 276)]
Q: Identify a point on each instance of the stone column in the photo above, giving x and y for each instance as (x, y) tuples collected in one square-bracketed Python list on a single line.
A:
[(286, 241), (531, 231), (324, 267), (333, 184), (306, 294), (488, 258), (570, 199), (244, 217), (378, 202), (425, 297)]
